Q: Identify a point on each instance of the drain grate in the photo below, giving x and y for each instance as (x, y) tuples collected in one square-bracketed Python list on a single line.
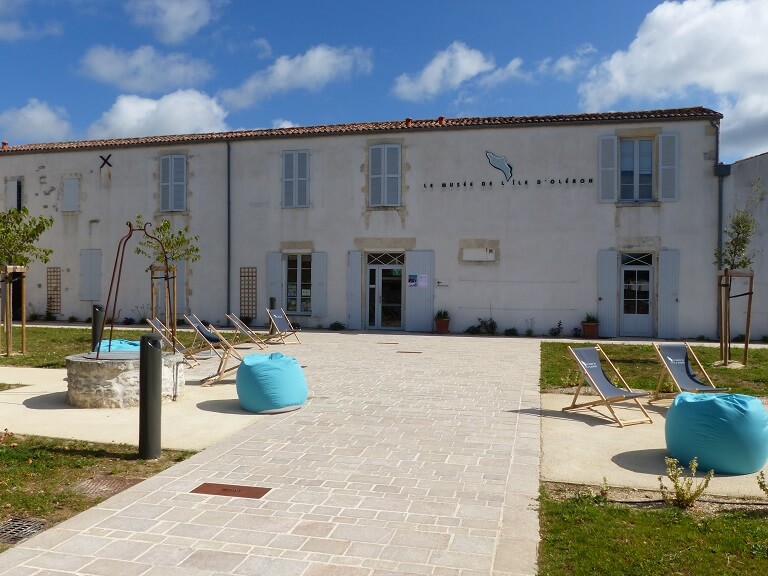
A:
[(15, 530), (214, 489), (408, 352), (388, 342)]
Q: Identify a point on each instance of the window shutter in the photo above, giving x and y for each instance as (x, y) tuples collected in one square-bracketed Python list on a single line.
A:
[(302, 179), (288, 180), (70, 201), (90, 275), (608, 292), (393, 176), (274, 278), (165, 183), (608, 179), (354, 290), (376, 175), (668, 172), (319, 284), (669, 283), (179, 183)]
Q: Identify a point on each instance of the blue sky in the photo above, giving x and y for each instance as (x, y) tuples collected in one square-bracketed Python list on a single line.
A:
[(82, 69)]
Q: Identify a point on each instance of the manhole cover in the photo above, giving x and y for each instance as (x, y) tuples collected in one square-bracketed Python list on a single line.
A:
[(230, 490), (17, 529), (105, 485), (408, 352), (389, 342)]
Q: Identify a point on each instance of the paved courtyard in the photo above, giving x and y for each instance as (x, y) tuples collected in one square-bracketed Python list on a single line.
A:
[(416, 454)]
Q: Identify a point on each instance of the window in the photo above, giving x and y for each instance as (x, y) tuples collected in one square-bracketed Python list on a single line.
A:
[(636, 161), (384, 175), (298, 283), (173, 183), (70, 201), (14, 192), (643, 169), (295, 178)]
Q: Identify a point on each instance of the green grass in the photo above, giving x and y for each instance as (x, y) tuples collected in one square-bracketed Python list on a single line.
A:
[(48, 347), (641, 367), (584, 536), (40, 476)]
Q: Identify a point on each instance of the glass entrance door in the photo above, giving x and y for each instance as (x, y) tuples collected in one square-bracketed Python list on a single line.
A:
[(385, 297), (636, 301)]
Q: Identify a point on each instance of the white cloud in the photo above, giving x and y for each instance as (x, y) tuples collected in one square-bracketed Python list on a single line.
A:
[(12, 31), (689, 48), (263, 48), (501, 75), (35, 122), (181, 112), (283, 123), (173, 21), (569, 65), (144, 70), (446, 71), (313, 70)]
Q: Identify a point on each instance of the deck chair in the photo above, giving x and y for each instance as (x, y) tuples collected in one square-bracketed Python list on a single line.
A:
[(243, 328), (282, 327), (588, 359), (218, 345), (188, 352), (676, 361)]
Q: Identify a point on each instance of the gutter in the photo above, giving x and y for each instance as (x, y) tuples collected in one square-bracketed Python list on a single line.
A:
[(229, 226)]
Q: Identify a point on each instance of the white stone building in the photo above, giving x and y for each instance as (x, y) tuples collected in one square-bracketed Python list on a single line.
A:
[(531, 221)]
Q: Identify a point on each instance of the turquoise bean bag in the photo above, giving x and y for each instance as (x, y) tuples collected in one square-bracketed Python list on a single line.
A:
[(727, 433), (268, 384)]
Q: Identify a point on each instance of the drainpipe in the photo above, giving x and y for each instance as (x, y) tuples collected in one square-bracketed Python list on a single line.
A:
[(721, 171), (229, 225)]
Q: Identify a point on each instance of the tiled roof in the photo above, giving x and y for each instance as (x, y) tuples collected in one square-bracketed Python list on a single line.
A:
[(441, 123)]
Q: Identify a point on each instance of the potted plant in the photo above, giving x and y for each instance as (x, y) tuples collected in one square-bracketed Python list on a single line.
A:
[(590, 326), (442, 321)]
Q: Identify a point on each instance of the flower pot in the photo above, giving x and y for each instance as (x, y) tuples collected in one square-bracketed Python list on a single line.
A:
[(441, 325), (590, 329)]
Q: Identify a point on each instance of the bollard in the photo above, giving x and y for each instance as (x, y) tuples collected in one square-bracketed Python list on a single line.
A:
[(272, 306), (97, 321), (150, 396)]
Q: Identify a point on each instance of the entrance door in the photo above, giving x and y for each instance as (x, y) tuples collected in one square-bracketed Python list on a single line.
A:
[(636, 301), (385, 297)]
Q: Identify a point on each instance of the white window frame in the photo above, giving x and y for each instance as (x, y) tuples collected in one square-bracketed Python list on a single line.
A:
[(384, 180), (298, 284), (637, 170), (293, 179), (173, 185)]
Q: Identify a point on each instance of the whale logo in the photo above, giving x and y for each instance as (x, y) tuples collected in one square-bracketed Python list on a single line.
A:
[(500, 163)]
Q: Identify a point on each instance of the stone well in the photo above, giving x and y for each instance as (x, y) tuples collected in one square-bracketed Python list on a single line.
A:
[(112, 380)]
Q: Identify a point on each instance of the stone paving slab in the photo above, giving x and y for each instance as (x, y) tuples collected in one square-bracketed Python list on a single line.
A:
[(416, 454)]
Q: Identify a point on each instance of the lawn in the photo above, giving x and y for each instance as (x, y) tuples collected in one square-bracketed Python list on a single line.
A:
[(585, 534)]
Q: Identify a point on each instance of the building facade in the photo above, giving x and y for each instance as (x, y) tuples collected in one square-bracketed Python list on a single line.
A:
[(531, 221)]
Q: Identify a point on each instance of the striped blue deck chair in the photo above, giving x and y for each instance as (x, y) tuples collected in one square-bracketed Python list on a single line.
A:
[(677, 366)]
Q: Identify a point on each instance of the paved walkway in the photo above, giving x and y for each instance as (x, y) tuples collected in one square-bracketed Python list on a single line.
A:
[(416, 454)]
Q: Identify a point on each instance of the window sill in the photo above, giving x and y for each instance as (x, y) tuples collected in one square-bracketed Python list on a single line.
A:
[(638, 203)]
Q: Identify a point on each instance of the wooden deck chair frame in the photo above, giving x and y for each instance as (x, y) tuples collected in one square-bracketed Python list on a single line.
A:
[(243, 328), (621, 393), (221, 347), (278, 321), (706, 386), (187, 352)]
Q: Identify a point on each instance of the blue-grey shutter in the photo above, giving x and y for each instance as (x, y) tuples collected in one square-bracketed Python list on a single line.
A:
[(354, 290), (70, 200), (419, 299), (165, 183), (274, 278), (319, 284), (289, 181), (608, 169), (608, 292), (179, 191), (90, 274), (393, 175), (668, 167), (376, 175), (669, 282), (302, 178)]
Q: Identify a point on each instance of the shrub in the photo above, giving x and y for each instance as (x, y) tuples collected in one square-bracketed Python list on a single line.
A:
[(49, 316), (529, 324), (337, 325), (683, 493), (72, 319), (576, 332), (246, 320), (128, 321), (557, 330), (510, 332)]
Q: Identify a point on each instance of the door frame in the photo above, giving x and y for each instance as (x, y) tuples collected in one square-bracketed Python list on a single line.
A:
[(651, 300), (377, 289)]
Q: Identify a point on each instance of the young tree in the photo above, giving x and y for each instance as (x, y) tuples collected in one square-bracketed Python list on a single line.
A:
[(19, 233), (178, 245), (736, 253)]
